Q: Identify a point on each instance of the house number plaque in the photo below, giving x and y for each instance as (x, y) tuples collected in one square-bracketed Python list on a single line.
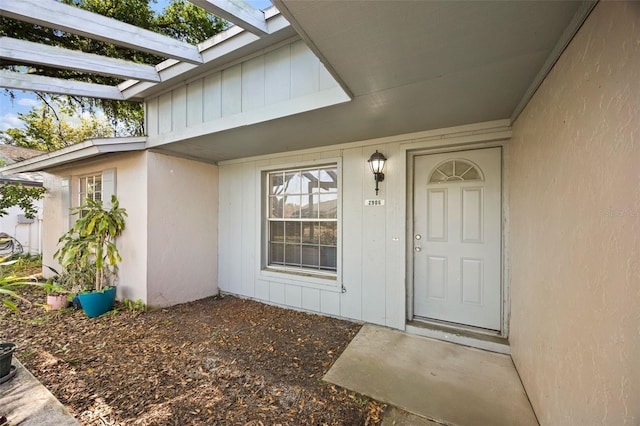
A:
[(374, 202)]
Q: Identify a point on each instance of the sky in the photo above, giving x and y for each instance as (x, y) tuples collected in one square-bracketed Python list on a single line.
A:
[(23, 101)]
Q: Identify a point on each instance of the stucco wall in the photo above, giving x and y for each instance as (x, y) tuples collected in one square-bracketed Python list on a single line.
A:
[(131, 190), (183, 236), (575, 226), (53, 220)]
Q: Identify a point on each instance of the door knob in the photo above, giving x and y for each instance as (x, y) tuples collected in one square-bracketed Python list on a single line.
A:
[(418, 248)]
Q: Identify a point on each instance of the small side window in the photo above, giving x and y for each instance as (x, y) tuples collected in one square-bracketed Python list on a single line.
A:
[(90, 187)]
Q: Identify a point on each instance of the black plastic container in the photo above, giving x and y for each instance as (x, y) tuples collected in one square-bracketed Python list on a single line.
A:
[(6, 354)]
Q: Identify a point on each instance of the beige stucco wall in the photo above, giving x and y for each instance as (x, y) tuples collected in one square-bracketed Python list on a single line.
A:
[(574, 175), (183, 230), (169, 247), (131, 192)]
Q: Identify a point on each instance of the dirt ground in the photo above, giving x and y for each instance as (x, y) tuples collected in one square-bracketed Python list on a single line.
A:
[(225, 361)]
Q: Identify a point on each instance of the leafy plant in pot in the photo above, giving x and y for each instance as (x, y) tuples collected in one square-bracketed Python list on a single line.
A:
[(91, 241), (56, 299), (75, 279), (58, 295)]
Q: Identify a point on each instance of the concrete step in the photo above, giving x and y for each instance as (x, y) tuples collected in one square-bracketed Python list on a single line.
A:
[(25, 401)]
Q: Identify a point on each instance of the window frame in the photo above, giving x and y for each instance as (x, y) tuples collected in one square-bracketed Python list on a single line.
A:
[(291, 273), (83, 189)]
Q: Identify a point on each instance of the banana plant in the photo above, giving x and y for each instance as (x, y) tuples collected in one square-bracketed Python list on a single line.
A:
[(91, 241)]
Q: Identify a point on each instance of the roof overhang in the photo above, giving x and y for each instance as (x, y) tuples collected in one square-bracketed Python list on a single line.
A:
[(19, 179), (78, 152), (408, 67)]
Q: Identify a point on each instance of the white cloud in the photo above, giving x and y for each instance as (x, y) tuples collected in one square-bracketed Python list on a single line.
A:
[(10, 120), (28, 102)]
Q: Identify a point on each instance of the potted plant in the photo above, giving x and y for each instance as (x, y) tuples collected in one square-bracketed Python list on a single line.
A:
[(91, 241), (57, 296), (74, 280)]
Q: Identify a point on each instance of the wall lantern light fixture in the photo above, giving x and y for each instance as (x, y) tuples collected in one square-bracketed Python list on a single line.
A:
[(376, 162)]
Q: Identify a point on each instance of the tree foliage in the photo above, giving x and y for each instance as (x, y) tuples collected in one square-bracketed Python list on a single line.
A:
[(56, 124), (21, 196), (180, 19)]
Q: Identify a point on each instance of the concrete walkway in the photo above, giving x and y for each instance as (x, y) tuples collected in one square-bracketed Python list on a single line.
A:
[(26, 402), (440, 382)]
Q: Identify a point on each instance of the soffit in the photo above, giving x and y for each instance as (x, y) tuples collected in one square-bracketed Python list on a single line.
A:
[(409, 66), (378, 45)]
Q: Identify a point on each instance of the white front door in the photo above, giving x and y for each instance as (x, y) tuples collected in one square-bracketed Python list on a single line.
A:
[(457, 237)]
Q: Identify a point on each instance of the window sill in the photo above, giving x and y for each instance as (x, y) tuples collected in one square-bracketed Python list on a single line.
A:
[(304, 279)]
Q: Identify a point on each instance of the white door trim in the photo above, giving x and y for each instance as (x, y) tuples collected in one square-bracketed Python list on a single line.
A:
[(411, 154)]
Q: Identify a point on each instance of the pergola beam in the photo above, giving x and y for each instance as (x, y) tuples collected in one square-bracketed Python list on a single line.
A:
[(38, 83), (238, 12), (28, 52), (52, 14)]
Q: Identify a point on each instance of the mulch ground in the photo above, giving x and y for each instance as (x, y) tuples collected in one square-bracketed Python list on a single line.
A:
[(224, 361)]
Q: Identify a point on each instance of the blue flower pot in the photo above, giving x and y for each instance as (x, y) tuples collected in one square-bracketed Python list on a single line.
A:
[(76, 302), (97, 303)]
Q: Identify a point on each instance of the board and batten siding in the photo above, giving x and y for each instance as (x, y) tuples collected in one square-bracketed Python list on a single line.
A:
[(281, 82), (372, 265), (370, 283)]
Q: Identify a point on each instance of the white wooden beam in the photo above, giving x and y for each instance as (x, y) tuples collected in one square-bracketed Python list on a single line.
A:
[(38, 83), (40, 54), (52, 14), (239, 12), (220, 51)]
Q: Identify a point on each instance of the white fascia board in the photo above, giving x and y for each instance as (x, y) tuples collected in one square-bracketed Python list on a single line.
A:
[(38, 83), (214, 53), (567, 35), (40, 54), (52, 14), (87, 149), (238, 12)]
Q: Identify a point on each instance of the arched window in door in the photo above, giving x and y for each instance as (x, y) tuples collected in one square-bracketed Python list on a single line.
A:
[(455, 170)]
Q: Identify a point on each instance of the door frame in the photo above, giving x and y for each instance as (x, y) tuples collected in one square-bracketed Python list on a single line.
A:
[(504, 215)]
